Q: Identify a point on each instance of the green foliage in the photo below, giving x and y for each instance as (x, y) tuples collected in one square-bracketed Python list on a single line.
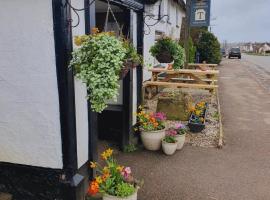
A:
[(124, 189), (130, 148), (132, 53), (209, 48), (170, 139), (192, 49), (98, 63), (166, 44)]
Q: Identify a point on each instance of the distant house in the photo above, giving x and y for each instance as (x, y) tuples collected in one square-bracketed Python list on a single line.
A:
[(171, 14), (265, 48)]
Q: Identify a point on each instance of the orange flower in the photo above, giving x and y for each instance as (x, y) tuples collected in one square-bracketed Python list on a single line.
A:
[(105, 176), (94, 30), (93, 188)]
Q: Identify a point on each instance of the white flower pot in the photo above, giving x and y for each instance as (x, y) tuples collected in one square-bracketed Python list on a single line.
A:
[(169, 148), (180, 141), (152, 139), (131, 197)]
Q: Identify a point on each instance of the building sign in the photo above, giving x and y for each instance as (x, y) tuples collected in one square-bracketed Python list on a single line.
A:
[(200, 13)]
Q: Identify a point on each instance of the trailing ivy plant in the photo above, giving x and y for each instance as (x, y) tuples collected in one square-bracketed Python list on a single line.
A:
[(97, 63)]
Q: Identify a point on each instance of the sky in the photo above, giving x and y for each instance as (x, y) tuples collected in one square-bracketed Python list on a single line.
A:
[(241, 20)]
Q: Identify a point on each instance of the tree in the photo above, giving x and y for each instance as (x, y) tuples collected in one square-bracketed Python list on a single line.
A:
[(209, 48), (192, 49)]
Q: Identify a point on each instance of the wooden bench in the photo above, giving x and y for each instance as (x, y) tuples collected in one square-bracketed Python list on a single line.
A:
[(202, 66), (182, 78)]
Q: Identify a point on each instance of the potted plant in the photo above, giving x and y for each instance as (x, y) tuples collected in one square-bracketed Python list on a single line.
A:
[(152, 128), (98, 61), (166, 50), (179, 132), (196, 121), (169, 144), (113, 181)]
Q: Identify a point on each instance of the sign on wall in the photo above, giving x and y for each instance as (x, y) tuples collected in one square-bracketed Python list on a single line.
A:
[(200, 13)]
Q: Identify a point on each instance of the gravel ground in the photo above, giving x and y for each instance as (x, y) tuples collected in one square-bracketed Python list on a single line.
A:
[(209, 136)]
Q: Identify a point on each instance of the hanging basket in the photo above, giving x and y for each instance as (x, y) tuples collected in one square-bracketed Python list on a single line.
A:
[(150, 1), (164, 57), (128, 64)]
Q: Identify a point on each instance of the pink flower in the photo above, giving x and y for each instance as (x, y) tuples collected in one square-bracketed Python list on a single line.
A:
[(171, 132), (126, 172), (159, 116)]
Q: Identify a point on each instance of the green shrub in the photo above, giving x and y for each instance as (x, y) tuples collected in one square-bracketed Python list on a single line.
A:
[(209, 48), (192, 49)]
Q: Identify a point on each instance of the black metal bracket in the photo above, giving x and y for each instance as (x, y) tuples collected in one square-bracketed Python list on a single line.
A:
[(157, 18), (76, 11)]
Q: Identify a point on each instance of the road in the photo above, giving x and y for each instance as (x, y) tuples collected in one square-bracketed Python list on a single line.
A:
[(261, 61), (259, 66), (241, 170)]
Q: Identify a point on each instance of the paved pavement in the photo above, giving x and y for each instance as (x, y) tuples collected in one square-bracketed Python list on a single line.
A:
[(240, 171)]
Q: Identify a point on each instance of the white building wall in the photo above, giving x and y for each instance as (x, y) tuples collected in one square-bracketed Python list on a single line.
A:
[(134, 39), (29, 103), (168, 27), (80, 95)]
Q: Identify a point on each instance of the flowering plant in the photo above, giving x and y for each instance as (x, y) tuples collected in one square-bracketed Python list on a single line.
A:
[(169, 138), (112, 179), (198, 112), (178, 129), (150, 121)]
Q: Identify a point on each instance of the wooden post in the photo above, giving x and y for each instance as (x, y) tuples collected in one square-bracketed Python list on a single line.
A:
[(187, 31)]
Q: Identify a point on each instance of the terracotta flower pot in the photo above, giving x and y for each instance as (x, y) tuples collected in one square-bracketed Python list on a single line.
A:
[(180, 141), (169, 148), (131, 197), (152, 139)]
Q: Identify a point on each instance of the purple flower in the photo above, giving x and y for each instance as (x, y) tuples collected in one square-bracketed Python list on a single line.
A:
[(180, 126)]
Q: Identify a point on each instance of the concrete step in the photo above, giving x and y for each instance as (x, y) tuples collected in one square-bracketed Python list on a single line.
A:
[(5, 196)]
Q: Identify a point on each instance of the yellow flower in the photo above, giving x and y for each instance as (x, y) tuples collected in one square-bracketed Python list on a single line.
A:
[(98, 179), (120, 168), (93, 164), (106, 170), (109, 152), (104, 155), (77, 40)]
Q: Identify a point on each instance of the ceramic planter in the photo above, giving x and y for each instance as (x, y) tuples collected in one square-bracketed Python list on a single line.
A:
[(180, 141), (169, 148), (152, 139), (131, 197)]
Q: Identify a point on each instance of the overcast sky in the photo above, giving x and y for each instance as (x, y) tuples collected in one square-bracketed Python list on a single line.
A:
[(241, 20)]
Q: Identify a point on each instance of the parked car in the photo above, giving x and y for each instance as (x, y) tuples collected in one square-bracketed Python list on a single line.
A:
[(235, 52), (223, 52)]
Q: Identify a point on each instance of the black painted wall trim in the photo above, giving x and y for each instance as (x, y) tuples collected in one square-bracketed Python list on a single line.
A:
[(65, 79), (140, 35), (90, 22)]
